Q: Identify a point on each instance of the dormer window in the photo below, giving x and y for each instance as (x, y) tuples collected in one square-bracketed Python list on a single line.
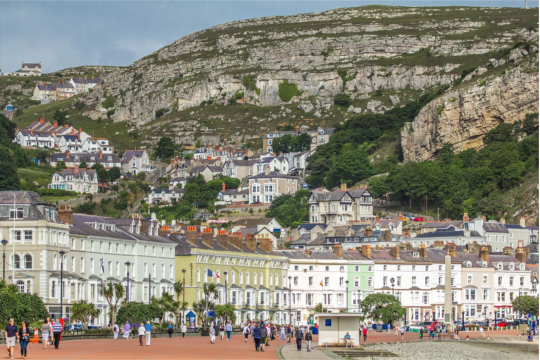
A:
[(415, 254), (17, 213), (484, 264), (511, 266), (469, 264), (500, 266)]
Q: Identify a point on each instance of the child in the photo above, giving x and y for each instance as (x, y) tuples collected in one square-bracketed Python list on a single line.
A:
[(467, 339)]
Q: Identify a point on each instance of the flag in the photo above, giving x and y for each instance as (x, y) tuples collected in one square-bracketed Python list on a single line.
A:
[(102, 267), (321, 283)]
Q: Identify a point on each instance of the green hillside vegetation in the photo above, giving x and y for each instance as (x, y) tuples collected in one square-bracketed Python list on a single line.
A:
[(472, 181)]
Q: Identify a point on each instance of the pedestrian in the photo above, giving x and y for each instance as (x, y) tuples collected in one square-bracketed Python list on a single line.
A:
[(127, 330), (116, 331), (184, 329), (365, 334), (308, 337), (482, 333), (221, 330), (289, 333), (256, 333), (396, 332), (467, 339), (246, 331), (228, 329), (282, 333), (212, 332), (264, 336), (24, 338), (421, 333), (148, 330), (142, 333), (57, 331), (402, 332), (170, 330), (11, 335), (298, 337), (45, 330)]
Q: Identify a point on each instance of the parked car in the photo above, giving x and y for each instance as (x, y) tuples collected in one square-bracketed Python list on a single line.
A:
[(78, 327), (419, 218), (93, 327), (431, 325)]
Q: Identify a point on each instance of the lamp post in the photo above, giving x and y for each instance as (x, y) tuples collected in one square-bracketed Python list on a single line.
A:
[(62, 253), (347, 297), (519, 301), (127, 264), (149, 287), (183, 295), (226, 298), (290, 301), (4, 243)]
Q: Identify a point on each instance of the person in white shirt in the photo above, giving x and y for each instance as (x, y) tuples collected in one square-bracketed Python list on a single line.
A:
[(184, 329), (246, 332), (142, 334)]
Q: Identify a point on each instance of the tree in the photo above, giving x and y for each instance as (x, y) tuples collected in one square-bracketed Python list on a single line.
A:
[(108, 102), (527, 304), (181, 306), (382, 308), (198, 143), (103, 175), (320, 309), (115, 173), (60, 116), (167, 305), (290, 210), (350, 167), (9, 179), (502, 133), (113, 293), (84, 312), (165, 147), (210, 293), (97, 166), (60, 166), (342, 100), (199, 308), (135, 312), (83, 165), (20, 307), (225, 312)]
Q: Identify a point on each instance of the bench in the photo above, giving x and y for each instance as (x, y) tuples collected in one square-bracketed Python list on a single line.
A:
[(346, 342)]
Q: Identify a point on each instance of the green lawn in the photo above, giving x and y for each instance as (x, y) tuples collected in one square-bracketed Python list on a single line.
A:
[(40, 175), (54, 199)]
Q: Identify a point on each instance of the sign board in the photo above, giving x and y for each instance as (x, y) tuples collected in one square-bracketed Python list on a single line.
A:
[(328, 322)]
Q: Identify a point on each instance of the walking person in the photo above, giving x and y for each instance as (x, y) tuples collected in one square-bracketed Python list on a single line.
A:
[(289, 333), (421, 333), (264, 336), (24, 338), (308, 337), (298, 337), (402, 332), (228, 329), (116, 331), (184, 329), (256, 333), (212, 331), (148, 330), (45, 332), (170, 330), (127, 330), (57, 331), (221, 330), (282, 333), (11, 335), (246, 331), (364, 331), (142, 333)]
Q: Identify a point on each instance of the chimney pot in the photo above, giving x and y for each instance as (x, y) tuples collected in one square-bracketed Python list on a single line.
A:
[(503, 221), (394, 251), (366, 251), (522, 221), (338, 250)]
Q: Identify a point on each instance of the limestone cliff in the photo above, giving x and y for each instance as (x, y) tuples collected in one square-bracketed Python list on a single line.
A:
[(462, 116)]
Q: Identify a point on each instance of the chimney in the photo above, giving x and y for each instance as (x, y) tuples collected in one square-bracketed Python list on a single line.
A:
[(522, 221), (422, 251), (465, 217), (236, 240), (484, 217), (100, 154), (85, 76), (79, 135), (209, 158), (67, 154), (366, 251), (223, 239), (172, 161), (223, 186), (142, 220), (55, 123), (508, 250), (66, 126), (62, 81), (52, 132), (66, 214), (451, 250), (251, 243), (267, 170), (484, 253), (338, 250), (369, 231), (376, 217), (208, 237), (32, 131), (343, 186), (387, 236), (42, 120), (282, 247), (394, 251), (265, 244), (192, 236), (297, 130), (399, 218), (521, 255), (503, 221)]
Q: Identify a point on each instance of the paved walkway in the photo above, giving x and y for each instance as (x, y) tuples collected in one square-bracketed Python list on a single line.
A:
[(191, 347)]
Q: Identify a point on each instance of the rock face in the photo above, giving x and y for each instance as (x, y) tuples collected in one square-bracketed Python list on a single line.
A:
[(464, 115), (356, 51)]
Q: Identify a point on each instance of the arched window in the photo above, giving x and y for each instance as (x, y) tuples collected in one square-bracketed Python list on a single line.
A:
[(277, 280), (254, 278), (271, 280), (262, 279), (28, 287), (247, 278), (241, 276), (28, 261), (198, 275), (53, 289), (20, 286), (17, 262)]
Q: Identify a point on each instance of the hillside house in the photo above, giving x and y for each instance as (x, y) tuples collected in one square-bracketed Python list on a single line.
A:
[(75, 179), (136, 161)]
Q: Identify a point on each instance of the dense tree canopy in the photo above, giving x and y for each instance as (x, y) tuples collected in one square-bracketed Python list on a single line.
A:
[(527, 304), (288, 143), (21, 307), (290, 210), (165, 147), (138, 313), (383, 308)]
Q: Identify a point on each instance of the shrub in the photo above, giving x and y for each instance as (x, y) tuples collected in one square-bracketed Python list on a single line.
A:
[(109, 102), (286, 91), (160, 113), (111, 112), (342, 100)]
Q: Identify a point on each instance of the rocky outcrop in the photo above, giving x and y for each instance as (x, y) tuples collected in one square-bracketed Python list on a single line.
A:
[(464, 115), (310, 50)]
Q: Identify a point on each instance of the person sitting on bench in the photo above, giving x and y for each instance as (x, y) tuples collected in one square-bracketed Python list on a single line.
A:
[(347, 339)]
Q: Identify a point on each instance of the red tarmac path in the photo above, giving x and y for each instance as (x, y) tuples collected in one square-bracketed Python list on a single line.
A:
[(190, 347)]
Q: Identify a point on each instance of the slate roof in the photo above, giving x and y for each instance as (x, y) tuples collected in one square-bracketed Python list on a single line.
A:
[(253, 222), (442, 224), (495, 227), (21, 197), (34, 209), (438, 233), (66, 85), (84, 157), (531, 227), (183, 247), (514, 226), (79, 173), (309, 227), (313, 254), (272, 175), (31, 65)]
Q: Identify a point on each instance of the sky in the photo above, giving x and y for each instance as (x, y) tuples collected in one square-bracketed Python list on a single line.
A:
[(64, 34)]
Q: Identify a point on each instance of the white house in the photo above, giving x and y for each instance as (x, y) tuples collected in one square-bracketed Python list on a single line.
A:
[(95, 145), (341, 206), (79, 180), (136, 161)]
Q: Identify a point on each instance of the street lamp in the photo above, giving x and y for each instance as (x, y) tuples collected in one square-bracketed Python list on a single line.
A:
[(290, 301), (519, 301), (226, 298), (62, 253), (183, 295), (4, 243), (127, 264), (347, 298)]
